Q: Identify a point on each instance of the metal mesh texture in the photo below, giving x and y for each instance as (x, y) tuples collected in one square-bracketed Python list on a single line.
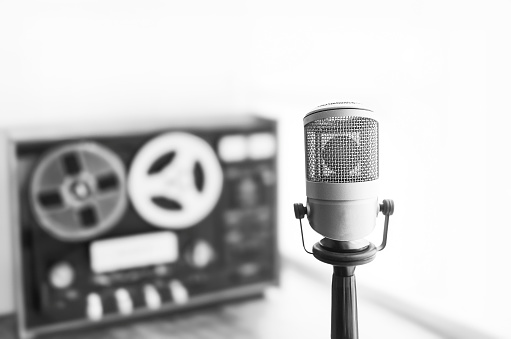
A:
[(342, 149)]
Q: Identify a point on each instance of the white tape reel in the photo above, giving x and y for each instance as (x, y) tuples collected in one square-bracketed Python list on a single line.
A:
[(175, 180)]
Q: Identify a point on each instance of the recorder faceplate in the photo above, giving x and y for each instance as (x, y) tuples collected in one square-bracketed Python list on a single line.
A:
[(115, 225)]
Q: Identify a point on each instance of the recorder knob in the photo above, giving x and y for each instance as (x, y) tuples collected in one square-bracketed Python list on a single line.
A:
[(201, 254), (178, 292), (94, 307), (61, 275)]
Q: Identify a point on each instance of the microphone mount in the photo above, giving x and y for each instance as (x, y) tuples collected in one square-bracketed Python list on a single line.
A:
[(386, 208), (345, 256)]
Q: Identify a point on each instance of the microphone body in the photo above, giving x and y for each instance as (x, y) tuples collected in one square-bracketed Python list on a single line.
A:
[(341, 143), (342, 216)]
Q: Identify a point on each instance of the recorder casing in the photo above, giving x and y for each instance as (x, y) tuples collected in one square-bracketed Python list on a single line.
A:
[(114, 222)]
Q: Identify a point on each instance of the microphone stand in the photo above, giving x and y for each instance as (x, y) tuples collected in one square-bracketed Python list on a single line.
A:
[(345, 256)]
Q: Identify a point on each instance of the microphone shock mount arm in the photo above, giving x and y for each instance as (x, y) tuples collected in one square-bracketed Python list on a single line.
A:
[(345, 256), (386, 208)]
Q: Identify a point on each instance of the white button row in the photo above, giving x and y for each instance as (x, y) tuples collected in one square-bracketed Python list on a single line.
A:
[(239, 147), (125, 306)]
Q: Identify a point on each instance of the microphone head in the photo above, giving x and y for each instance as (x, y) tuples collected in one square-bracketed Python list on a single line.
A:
[(342, 169), (341, 142)]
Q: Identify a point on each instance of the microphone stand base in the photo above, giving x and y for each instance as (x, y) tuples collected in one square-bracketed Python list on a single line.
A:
[(338, 253), (344, 257)]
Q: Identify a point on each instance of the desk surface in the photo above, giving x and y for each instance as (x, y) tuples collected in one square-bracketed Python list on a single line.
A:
[(299, 308)]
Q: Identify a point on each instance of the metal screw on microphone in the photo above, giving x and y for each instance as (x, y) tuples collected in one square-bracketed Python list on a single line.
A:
[(387, 207), (300, 211)]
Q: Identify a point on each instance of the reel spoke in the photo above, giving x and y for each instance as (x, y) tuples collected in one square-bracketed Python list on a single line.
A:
[(71, 163), (88, 216), (198, 175), (162, 162), (107, 182), (166, 203), (50, 199)]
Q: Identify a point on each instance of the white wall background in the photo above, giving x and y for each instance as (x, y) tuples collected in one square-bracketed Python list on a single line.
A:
[(433, 70)]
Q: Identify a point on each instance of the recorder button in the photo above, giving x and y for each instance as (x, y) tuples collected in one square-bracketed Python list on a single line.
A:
[(94, 307), (152, 297), (201, 255), (261, 146), (233, 148), (124, 302), (61, 275), (179, 292)]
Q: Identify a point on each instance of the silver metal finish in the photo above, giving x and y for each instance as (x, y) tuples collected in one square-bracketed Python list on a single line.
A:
[(342, 191), (341, 160), (339, 106), (356, 245), (342, 149), (343, 220), (345, 246), (336, 112)]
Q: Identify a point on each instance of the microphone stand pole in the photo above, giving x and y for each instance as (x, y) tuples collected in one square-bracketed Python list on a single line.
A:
[(344, 256), (344, 303)]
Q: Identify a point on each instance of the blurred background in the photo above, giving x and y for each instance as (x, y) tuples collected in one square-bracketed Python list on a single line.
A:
[(434, 72)]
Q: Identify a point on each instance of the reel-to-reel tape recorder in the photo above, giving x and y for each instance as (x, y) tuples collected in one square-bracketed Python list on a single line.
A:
[(111, 224)]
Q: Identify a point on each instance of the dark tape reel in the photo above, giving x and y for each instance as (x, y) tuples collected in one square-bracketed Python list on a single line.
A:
[(78, 191)]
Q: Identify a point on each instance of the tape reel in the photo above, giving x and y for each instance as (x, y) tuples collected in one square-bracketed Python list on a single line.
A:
[(175, 180), (78, 191)]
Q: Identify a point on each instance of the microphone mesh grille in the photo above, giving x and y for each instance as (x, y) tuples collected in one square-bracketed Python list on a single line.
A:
[(342, 149)]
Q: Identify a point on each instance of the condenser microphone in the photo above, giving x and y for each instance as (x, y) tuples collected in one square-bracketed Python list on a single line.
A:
[(342, 173), (341, 159)]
